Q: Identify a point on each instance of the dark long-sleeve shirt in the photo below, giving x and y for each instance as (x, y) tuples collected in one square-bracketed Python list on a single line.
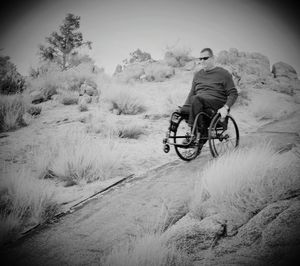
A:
[(214, 83)]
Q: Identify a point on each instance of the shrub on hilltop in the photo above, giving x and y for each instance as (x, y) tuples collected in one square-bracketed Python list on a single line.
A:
[(137, 56), (177, 56), (133, 67), (158, 71), (141, 67)]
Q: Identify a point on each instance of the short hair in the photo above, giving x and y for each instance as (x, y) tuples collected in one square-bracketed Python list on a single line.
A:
[(207, 50)]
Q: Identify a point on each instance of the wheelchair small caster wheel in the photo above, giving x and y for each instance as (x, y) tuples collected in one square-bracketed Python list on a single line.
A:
[(166, 148)]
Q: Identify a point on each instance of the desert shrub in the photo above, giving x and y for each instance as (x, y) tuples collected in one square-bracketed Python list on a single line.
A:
[(111, 127), (240, 184), (129, 131), (137, 56), (78, 158), (158, 71), (11, 81), (126, 102), (24, 200), (177, 56), (69, 97), (12, 109)]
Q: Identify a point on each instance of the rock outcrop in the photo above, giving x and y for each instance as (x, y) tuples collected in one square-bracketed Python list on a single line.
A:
[(271, 237), (253, 70), (281, 69)]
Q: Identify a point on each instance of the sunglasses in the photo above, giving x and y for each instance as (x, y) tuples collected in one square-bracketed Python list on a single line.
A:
[(204, 58)]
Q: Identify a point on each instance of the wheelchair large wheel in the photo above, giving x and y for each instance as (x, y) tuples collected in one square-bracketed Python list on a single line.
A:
[(224, 136), (183, 133)]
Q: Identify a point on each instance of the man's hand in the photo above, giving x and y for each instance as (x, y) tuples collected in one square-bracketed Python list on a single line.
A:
[(223, 112)]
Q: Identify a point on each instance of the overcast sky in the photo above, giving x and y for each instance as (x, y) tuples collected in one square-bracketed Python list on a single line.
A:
[(118, 27)]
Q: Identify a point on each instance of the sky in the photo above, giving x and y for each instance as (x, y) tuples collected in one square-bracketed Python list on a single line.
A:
[(118, 27)]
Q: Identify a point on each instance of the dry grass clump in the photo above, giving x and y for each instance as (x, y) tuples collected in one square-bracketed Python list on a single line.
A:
[(242, 183), (12, 109), (78, 158), (148, 250), (25, 200), (125, 100), (149, 247), (112, 127), (130, 131), (69, 97)]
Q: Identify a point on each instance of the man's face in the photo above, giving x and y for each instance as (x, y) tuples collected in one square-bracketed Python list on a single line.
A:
[(206, 61)]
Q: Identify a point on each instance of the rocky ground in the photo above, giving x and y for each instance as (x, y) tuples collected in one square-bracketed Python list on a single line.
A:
[(271, 237)]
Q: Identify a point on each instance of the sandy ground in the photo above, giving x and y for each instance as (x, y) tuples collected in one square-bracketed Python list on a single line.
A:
[(84, 236)]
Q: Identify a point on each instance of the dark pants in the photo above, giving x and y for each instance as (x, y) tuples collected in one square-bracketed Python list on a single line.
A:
[(200, 104)]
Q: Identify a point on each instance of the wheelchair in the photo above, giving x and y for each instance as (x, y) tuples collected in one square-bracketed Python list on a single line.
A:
[(222, 136)]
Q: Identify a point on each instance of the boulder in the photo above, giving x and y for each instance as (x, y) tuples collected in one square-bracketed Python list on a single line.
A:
[(269, 238), (281, 69), (84, 99), (195, 237), (284, 230), (86, 88)]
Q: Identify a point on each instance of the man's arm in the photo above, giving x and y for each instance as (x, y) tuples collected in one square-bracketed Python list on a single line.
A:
[(231, 98), (232, 95), (231, 91)]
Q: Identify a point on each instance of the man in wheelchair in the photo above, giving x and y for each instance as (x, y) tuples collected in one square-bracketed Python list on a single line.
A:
[(212, 90)]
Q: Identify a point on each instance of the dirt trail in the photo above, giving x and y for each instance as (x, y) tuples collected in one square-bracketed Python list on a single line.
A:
[(82, 237)]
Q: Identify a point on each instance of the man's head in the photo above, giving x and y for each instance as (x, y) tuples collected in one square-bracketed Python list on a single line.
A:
[(207, 59)]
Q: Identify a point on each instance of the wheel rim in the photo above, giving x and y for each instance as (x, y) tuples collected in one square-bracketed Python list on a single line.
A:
[(222, 140), (183, 133)]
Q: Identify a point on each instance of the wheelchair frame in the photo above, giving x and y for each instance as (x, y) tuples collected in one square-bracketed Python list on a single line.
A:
[(215, 132)]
